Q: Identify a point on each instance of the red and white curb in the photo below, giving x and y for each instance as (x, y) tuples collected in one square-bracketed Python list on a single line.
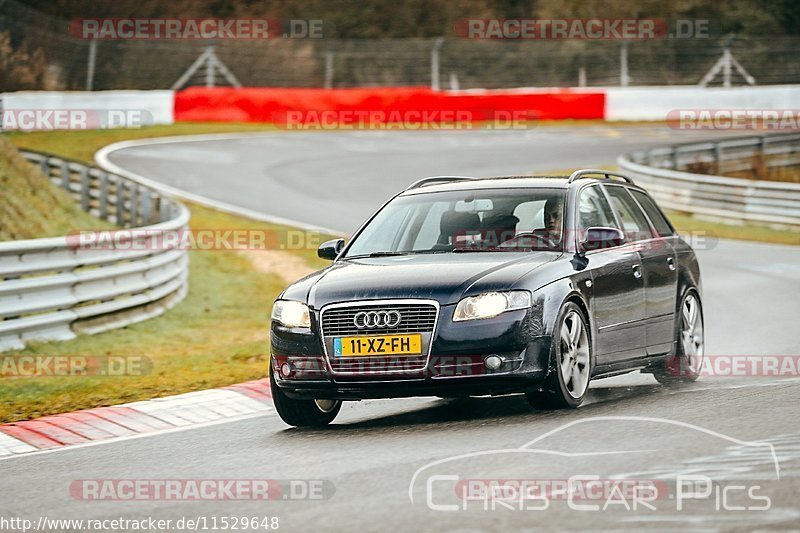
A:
[(128, 420)]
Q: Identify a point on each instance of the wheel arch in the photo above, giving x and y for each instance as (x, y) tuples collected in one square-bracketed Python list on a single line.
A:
[(688, 271), (554, 296), (687, 281), (578, 300), (558, 293)]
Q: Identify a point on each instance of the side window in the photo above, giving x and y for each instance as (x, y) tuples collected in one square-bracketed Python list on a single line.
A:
[(594, 211), (660, 222), (633, 221)]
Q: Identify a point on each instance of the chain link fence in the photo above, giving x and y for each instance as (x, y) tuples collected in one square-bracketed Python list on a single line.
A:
[(37, 52)]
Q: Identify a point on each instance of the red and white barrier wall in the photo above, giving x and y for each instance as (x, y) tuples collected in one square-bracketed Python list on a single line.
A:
[(656, 103), (44, 110), (397, 104)]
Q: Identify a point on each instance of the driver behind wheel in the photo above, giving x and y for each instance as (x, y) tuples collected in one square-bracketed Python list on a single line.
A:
[(553, 213), (549, 237)]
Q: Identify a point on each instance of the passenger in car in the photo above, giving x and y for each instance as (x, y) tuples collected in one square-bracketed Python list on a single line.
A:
[(501, 224), (553, 213)]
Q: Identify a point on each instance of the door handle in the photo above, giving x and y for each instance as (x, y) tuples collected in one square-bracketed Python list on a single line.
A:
[(637, 271), (671, 263)]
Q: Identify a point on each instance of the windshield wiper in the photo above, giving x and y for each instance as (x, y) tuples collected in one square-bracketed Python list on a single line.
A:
[(386, 254), (375, 254), (469, 250), (396, 253)]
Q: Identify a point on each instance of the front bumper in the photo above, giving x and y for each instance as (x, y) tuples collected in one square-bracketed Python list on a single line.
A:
[(373, 389), (455, 365)]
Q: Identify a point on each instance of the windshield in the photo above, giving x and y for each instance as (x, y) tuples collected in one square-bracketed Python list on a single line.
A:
[(465, 221)]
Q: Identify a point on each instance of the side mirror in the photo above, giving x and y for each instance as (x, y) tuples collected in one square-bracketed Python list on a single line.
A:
[(599, 238), (330, 250)]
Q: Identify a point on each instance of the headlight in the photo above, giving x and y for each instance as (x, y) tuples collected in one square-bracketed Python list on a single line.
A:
[(491, 304), (291, 314)]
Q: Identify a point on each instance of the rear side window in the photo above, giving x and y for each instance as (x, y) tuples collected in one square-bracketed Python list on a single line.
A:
[(660, 222), (594, 211), (633, 221)]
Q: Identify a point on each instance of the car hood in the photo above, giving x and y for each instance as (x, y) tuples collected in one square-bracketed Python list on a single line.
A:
[(442, 277)]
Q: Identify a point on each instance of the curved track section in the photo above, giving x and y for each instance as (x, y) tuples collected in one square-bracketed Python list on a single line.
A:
[(335, 179)]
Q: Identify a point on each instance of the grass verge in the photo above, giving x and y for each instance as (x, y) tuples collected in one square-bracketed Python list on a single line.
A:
[(82, 144), (217, 336), (31, 207), (746, 232)]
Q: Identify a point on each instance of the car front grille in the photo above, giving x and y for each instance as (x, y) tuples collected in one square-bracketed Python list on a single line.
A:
[(415, 318)]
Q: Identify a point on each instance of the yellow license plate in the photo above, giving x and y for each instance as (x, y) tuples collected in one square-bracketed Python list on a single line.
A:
[(377, 345)]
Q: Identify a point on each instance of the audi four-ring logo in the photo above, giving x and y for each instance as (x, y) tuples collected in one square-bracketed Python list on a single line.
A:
[(377, 319)]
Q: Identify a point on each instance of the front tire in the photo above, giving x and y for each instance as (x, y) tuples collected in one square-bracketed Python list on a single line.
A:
[(685, 364), (303, 413), (570, 363)]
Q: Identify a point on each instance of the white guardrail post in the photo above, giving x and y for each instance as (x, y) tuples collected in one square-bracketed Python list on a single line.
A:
[(667, 173), (53, 288)]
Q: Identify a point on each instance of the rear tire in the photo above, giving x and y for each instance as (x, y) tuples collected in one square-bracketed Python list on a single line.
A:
[(570, 363), (685, 364), (303, 413)]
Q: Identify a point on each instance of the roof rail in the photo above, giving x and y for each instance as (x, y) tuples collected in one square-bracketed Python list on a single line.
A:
[(578, 174), (436, 179)]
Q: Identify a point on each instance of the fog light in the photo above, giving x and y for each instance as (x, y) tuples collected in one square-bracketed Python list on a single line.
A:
[(493, 362), (286, 370)]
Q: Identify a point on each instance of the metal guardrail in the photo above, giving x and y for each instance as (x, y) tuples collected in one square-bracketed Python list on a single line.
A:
[(52, 288), (673, 176)]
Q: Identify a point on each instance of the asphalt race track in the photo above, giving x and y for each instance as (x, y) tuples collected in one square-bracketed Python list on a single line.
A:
[(379, 454)]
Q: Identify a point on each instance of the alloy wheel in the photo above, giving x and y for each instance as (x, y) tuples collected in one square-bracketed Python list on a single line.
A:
[(574, 354), (692, 335)]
